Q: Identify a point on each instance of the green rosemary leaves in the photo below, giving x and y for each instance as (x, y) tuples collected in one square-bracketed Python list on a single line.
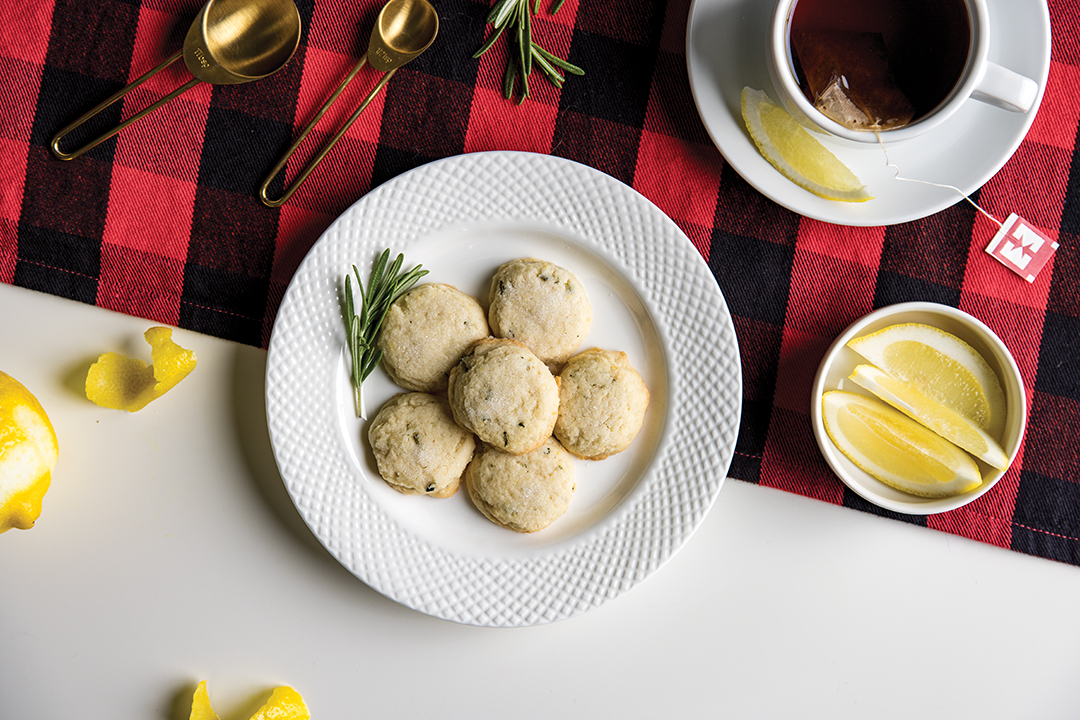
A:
[(362, 330), (522, 52)]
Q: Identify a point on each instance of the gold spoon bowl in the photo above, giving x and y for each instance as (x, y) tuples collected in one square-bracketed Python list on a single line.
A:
[(229, 42)]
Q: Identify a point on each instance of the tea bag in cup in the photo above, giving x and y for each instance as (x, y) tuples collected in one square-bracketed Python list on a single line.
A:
[(847, 76)]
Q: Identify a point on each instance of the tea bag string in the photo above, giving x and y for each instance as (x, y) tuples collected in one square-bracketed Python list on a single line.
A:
[(897, 176)]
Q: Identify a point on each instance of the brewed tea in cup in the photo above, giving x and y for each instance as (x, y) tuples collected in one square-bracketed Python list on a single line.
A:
[(864, 69)]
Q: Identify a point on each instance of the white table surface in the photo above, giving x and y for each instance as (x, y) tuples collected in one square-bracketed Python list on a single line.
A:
[(169, 552)]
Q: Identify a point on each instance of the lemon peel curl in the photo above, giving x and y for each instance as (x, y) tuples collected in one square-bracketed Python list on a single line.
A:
[(121, 383), (284, 704)]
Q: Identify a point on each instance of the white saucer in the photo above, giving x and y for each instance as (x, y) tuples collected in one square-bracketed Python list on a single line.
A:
[(725, 51)]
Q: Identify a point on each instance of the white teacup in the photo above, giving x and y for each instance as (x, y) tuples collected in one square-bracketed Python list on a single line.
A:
[(980, 80)]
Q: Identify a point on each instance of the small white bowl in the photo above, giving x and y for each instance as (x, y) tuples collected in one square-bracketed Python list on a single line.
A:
[(840, 361)]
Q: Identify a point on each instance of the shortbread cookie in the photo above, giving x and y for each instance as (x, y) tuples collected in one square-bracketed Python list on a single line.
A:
[(602, 402), (542, 305), (524, 493), (425, 332), (418, 447), (502, 392)]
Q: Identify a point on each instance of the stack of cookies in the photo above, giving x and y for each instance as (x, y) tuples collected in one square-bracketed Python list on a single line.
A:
[(508, 378)]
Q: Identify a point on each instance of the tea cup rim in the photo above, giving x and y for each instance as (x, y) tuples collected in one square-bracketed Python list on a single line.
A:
[(779, 63)]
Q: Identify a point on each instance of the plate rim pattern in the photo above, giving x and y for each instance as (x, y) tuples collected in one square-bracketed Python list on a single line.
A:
[(649, 525)]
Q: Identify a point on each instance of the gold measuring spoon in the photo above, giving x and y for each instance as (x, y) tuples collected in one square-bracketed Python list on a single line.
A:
[(403, 30), (230, 41)]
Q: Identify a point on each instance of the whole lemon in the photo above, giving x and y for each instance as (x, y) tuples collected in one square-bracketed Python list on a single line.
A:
[(28, 453)]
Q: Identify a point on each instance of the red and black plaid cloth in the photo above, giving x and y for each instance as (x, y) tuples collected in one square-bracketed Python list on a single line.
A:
[(162, 222)]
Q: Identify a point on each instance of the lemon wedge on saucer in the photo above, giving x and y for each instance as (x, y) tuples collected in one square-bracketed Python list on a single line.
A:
[(895, 449), (946, 422), (942, 366), (792, 150)]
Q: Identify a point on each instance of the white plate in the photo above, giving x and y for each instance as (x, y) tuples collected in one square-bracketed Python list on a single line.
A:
[(725, 51), (653, 297)]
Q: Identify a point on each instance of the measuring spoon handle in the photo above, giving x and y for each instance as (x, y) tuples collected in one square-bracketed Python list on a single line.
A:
[(314, 162), (55, 146)]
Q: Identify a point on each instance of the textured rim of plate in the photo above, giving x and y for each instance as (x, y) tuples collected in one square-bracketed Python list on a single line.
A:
[(649, 526), (741, 154)]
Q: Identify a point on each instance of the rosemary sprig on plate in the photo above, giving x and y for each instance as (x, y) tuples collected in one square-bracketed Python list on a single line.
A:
[(384, 287), (523, 53)]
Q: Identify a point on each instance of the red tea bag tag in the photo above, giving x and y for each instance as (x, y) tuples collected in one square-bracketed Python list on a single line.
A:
[(1018, 245), (1021, 247)]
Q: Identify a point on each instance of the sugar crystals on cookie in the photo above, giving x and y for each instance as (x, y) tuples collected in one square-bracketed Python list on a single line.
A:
[(502, 392), (602, 404), (418, 447), (541, 305), (524, 493), (425, 332)]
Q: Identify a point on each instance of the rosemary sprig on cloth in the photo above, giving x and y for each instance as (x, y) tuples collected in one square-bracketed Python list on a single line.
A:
[(523, 52), (384, 287)]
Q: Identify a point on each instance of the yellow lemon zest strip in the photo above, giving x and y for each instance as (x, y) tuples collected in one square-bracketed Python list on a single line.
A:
[(122, 383)]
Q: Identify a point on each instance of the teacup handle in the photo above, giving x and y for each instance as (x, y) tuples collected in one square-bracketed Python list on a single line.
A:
[(1006, 89)]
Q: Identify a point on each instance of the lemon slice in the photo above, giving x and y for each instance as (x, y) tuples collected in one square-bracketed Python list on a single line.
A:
[(945, 421), (942, 367), (795, 153), (895, 449)]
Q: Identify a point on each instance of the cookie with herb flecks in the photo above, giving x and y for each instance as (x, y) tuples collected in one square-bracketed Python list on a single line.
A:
[(541, 305), (425, 332), (602, 403), (502, 392), (524, 493), (418, 447)]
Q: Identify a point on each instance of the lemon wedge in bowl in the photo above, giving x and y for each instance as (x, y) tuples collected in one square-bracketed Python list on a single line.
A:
[(792, 150), (942, 367), (895, 449), (946, 422)]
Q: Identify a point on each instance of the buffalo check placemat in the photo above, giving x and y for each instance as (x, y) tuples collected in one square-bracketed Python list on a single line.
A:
[(163, 222)]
